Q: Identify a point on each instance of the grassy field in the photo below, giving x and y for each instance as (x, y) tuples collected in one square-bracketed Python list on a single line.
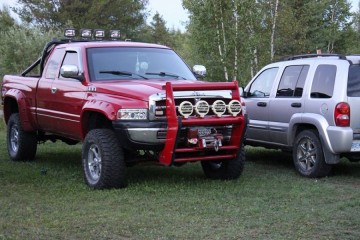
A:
[(47, 199)]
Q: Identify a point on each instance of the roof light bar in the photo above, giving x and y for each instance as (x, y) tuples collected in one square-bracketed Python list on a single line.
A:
[(114, 34), (70, 32), (96, 34), (86, 33), (99, 33)]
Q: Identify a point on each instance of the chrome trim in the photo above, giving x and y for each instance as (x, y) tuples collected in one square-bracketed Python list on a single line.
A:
[(145, 135)]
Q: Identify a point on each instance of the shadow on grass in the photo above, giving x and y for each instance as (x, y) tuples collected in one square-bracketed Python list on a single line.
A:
[(271, 159)]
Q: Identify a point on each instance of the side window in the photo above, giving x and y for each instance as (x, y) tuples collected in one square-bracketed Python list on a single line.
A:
[(353, 89), (71, 58), (323, 83), (53, 64), (292, 81), (262, 85)]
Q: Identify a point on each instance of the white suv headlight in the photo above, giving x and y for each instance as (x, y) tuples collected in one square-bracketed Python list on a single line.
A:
[(132, 114)]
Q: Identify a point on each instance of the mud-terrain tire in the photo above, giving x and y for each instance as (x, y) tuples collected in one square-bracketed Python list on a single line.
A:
[(225, 169), (103, 160), (308, 155), (21, 145)]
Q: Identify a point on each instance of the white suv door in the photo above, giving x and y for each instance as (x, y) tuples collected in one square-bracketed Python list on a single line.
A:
[(257, 99), (287, 102)]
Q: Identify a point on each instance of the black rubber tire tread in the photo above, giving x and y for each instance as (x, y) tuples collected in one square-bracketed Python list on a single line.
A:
[(320, 168), (113, 168), (228, 170), (27, 141)]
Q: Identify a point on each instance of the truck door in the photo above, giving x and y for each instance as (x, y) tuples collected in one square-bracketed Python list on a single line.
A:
[(67, 99), (44, 105), (59, 100), (287, 102)]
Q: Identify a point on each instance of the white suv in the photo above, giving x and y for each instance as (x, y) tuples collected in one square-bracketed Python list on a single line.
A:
[(308, 104)]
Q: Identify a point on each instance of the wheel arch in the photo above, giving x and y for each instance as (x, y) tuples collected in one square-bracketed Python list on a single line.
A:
[(300, 122), (308, 121), (92, 119), (97, 114), (15, 102)]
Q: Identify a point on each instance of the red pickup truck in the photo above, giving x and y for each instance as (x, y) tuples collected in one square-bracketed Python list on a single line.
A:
[(127, 103)]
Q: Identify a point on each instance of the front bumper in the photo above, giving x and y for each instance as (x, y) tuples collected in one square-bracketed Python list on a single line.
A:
[(146, 135)]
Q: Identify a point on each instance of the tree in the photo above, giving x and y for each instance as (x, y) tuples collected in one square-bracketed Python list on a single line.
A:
[(6, 21), (128, 15), (236, 37), (159, 32)]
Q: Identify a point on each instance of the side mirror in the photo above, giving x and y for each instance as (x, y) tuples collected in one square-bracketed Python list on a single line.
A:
[(199, 70), (71, 71), (241, 91)]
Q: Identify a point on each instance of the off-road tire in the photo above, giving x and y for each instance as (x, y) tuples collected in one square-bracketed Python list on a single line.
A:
[(103, 160), (225, 169), (21, 145), (308, 155)]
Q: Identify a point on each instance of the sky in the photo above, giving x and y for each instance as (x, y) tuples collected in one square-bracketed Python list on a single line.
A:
[(170, 10)]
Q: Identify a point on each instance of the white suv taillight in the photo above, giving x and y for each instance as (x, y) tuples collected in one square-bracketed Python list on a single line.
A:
[(342, 114)]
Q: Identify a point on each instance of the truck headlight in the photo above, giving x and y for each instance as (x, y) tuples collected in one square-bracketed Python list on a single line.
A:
[(132, 114)]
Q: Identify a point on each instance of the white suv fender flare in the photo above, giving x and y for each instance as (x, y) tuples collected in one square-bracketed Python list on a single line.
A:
[(321, 124)]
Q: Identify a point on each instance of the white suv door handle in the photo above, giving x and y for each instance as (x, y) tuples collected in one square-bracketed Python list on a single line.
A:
[(261, 104), (296, 105)]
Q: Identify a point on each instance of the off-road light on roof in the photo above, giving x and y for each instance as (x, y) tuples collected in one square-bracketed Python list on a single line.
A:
[(69, 32), (99, 33), (114, 34), (86, 33)]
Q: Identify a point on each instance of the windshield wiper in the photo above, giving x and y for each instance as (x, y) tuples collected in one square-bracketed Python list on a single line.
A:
[(123, 73), (163, 74)]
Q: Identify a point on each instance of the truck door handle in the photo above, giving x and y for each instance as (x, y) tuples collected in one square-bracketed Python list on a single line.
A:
[(53, 90), (296, 105), (261, 104)]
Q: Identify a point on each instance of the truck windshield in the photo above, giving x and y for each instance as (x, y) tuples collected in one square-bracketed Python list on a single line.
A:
[(123, 63)]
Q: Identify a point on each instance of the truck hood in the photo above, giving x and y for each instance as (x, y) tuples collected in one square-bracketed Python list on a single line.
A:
[(136, 89)]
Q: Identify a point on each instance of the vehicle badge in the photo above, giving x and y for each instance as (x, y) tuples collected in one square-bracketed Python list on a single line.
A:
[(91, 89)]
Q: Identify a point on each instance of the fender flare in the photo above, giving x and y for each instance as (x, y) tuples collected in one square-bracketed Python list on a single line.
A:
[(24, 108), (321, 124), (105, 108)]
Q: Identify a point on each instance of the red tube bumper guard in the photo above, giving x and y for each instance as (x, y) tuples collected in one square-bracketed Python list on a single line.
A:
[(168, 154)]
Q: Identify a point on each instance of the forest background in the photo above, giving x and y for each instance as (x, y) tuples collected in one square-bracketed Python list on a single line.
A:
[(232, 38)]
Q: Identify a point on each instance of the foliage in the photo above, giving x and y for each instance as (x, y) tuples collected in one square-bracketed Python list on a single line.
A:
[(128, 15), (235, 38), (20, 46)]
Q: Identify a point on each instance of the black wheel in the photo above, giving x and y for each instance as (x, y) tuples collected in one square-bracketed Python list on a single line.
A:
[(21, 145), (103, 160), (225, 169), (308, 155)]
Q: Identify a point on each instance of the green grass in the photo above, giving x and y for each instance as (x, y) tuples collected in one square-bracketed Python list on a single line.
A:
[(48, 199)]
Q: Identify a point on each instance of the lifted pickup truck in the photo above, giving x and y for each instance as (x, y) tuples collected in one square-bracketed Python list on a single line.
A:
[(127, 102)]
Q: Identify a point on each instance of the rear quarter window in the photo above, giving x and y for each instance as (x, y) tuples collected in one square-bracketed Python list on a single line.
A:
[(353, 88), (324, 80)]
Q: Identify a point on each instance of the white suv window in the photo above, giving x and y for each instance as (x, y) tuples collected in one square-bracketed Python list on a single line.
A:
[(292, 81), (261, 86), (353, 89), (323, 83)]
